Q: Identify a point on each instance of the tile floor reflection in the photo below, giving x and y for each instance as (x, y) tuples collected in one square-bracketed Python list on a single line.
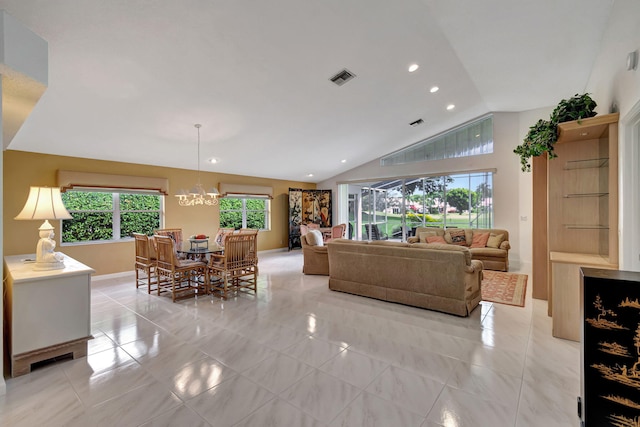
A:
[(298, 354)]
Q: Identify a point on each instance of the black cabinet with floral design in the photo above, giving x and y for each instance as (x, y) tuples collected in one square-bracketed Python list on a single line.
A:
[(610, 352)]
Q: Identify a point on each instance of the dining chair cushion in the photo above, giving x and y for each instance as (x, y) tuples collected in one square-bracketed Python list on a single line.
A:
[(182, 263)]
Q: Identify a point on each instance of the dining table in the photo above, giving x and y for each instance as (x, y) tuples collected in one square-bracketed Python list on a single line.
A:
[(199, 249)]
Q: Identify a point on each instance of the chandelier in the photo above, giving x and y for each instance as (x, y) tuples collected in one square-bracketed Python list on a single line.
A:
[(197, 195)]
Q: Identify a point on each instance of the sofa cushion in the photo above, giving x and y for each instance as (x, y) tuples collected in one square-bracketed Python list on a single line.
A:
[(488, 252), (424, 234), (495, 240), (436, 239), (446, 247), (355, 242), (319, 249), (479, 240), (456, 237), (389, 243), (468, 235), (314, 238), (439, 231)]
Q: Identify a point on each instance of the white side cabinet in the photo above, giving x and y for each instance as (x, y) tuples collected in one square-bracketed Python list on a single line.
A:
[(47, 313)]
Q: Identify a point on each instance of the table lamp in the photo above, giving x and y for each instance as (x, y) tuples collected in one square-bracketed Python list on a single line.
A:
[(45, 203)]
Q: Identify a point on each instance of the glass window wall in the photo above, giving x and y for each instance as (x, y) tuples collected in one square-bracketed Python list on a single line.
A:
[(393, 209)]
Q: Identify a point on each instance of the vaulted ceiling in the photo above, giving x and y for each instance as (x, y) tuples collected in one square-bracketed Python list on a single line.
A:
[(129, 79)]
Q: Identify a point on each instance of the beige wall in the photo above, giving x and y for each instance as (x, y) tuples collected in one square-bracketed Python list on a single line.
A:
[(613, 86), (507, 187), (22, 169)]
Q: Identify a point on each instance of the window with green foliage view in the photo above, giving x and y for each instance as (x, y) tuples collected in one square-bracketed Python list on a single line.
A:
[(244, 213), (101, 216)]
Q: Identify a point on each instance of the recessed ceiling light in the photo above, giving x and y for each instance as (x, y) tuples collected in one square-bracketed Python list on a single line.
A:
[(477, 135), (413, 67), (343, 161), (434, 89), (309, 174), (213, 161), (450, 107)]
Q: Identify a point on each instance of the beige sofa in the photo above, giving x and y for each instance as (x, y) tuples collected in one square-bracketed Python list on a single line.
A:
[(492, 258), (434, 276), (316, 260)]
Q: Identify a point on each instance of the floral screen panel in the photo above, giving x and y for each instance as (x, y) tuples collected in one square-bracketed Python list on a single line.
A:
[(307, 207)]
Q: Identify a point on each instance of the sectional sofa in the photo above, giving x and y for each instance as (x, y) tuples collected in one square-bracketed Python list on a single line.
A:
[(494, 252)]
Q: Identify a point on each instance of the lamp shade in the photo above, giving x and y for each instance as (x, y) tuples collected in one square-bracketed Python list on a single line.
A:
[(44, 203)]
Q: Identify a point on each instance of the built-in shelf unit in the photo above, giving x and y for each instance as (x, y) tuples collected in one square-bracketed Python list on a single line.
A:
[(575, 213)]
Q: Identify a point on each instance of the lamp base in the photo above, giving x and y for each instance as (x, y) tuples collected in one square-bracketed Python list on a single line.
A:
[(56, 265)]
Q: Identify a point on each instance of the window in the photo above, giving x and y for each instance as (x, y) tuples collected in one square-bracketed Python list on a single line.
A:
[(471, 139), (247, 212), (103, 216), (394, 208)]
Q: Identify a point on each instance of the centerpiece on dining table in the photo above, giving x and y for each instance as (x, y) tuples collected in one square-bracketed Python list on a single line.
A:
[(199, 241)]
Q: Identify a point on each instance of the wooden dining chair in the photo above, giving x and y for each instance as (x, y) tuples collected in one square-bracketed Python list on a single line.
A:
[(237, 268), (337, 232), (221, 234), (254, 250), (146, 260), (174, 233), (181, 277)]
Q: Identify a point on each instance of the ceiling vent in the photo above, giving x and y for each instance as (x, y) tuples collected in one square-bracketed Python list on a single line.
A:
[(416, 123), (342, 77)]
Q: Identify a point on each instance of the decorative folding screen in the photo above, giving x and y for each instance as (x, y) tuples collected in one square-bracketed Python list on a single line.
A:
[(307, 207)]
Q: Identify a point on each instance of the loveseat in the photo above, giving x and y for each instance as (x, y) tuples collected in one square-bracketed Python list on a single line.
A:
[(314, 254), (435, 276), (494, 253)]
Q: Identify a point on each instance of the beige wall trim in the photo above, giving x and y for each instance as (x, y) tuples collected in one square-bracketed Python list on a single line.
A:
[(68, 180), (245, 190)]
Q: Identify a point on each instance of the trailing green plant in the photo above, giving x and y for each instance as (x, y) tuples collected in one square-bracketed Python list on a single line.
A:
[(543, 135)]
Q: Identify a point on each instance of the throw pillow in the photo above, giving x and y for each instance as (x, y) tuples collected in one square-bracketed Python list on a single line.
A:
[(479, 240), (456, 237), (314, 238), (495, 240), (468, 235), (424, 234), (436, 239)]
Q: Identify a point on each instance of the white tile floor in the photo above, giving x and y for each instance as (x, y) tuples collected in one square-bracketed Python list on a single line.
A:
[(298, 354)]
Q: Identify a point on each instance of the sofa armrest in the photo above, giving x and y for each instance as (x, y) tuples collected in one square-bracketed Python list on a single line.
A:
[(413, 239), (505, 245), (474, 267)]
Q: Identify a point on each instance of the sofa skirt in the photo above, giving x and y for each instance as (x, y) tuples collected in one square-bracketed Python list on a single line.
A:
[(431, 302)]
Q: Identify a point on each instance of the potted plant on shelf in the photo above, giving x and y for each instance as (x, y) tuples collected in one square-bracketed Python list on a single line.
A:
[(543, 135)]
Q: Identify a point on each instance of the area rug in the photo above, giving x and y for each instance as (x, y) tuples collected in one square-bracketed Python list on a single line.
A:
[(504, 288)]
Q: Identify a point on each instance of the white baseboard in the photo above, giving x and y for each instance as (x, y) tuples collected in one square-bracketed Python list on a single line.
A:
[(268, 251), (112, 275), (130, 272)]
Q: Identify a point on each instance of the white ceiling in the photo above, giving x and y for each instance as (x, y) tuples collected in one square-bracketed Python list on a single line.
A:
[(128, 79)]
